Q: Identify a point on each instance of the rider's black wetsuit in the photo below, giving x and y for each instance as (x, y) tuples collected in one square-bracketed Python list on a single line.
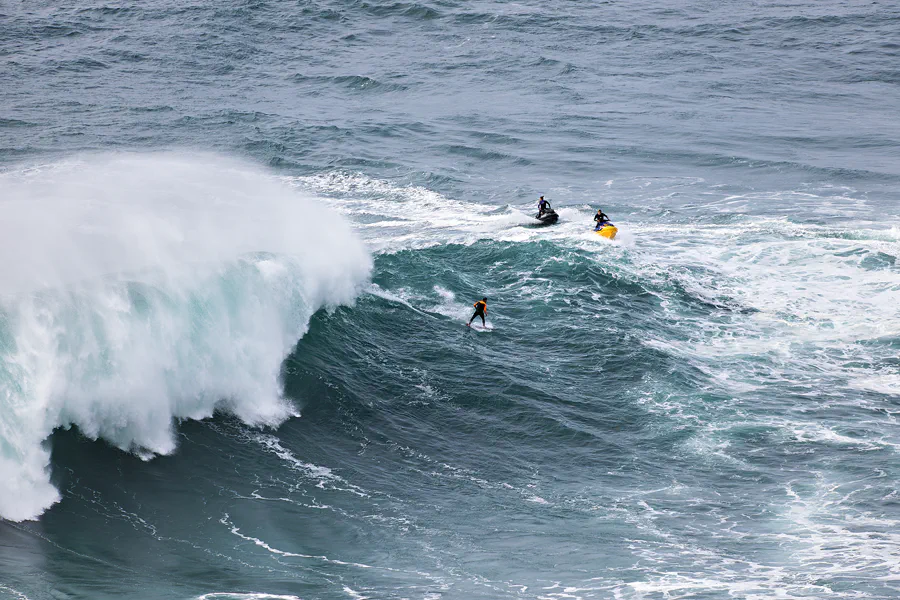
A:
[(480, 309), (602, 219), (543, 207)]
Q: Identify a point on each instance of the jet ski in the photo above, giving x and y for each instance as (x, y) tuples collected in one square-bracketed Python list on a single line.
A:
[(608, 231), (549, 217)]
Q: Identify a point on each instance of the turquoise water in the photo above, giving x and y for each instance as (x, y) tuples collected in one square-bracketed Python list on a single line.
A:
[(244, 238)]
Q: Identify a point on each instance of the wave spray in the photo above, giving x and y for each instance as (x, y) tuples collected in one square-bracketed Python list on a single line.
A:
[(139, 290)]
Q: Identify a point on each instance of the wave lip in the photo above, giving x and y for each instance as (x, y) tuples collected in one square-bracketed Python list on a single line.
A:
[(151, 289)]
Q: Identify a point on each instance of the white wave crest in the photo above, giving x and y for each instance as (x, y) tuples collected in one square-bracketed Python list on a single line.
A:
[(139, 290)]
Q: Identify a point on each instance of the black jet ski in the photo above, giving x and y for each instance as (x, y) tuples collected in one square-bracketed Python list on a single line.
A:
[(549, 217)]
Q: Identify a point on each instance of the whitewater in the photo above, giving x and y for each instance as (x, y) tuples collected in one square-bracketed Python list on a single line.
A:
[(149, 289), (241, 241)]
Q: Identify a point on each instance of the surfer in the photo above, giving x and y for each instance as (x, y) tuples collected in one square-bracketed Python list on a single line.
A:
[(543, 206), (480, 311), (602, 219)]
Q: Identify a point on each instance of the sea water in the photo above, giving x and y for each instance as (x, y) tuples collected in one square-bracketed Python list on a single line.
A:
[(241, 241)]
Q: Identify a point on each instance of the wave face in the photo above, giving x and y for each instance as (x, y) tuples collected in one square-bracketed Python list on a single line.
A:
[(708, 412), (150, 289), (706, 375)]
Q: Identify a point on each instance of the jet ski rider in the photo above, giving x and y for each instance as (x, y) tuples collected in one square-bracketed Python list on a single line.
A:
[(543, 207), (602, 219)]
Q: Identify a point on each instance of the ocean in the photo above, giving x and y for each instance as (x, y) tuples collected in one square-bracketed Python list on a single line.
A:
[(241, 241)]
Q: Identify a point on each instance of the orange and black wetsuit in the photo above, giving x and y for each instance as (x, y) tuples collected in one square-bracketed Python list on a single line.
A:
[(480, 310)]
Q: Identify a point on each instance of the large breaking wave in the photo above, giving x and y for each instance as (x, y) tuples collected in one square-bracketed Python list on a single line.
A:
[(138, 290)]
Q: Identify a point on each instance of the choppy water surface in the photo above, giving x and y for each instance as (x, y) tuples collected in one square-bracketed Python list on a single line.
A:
[(242, 240)]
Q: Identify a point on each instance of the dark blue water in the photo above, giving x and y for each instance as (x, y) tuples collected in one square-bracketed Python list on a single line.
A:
[(242, 241)]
